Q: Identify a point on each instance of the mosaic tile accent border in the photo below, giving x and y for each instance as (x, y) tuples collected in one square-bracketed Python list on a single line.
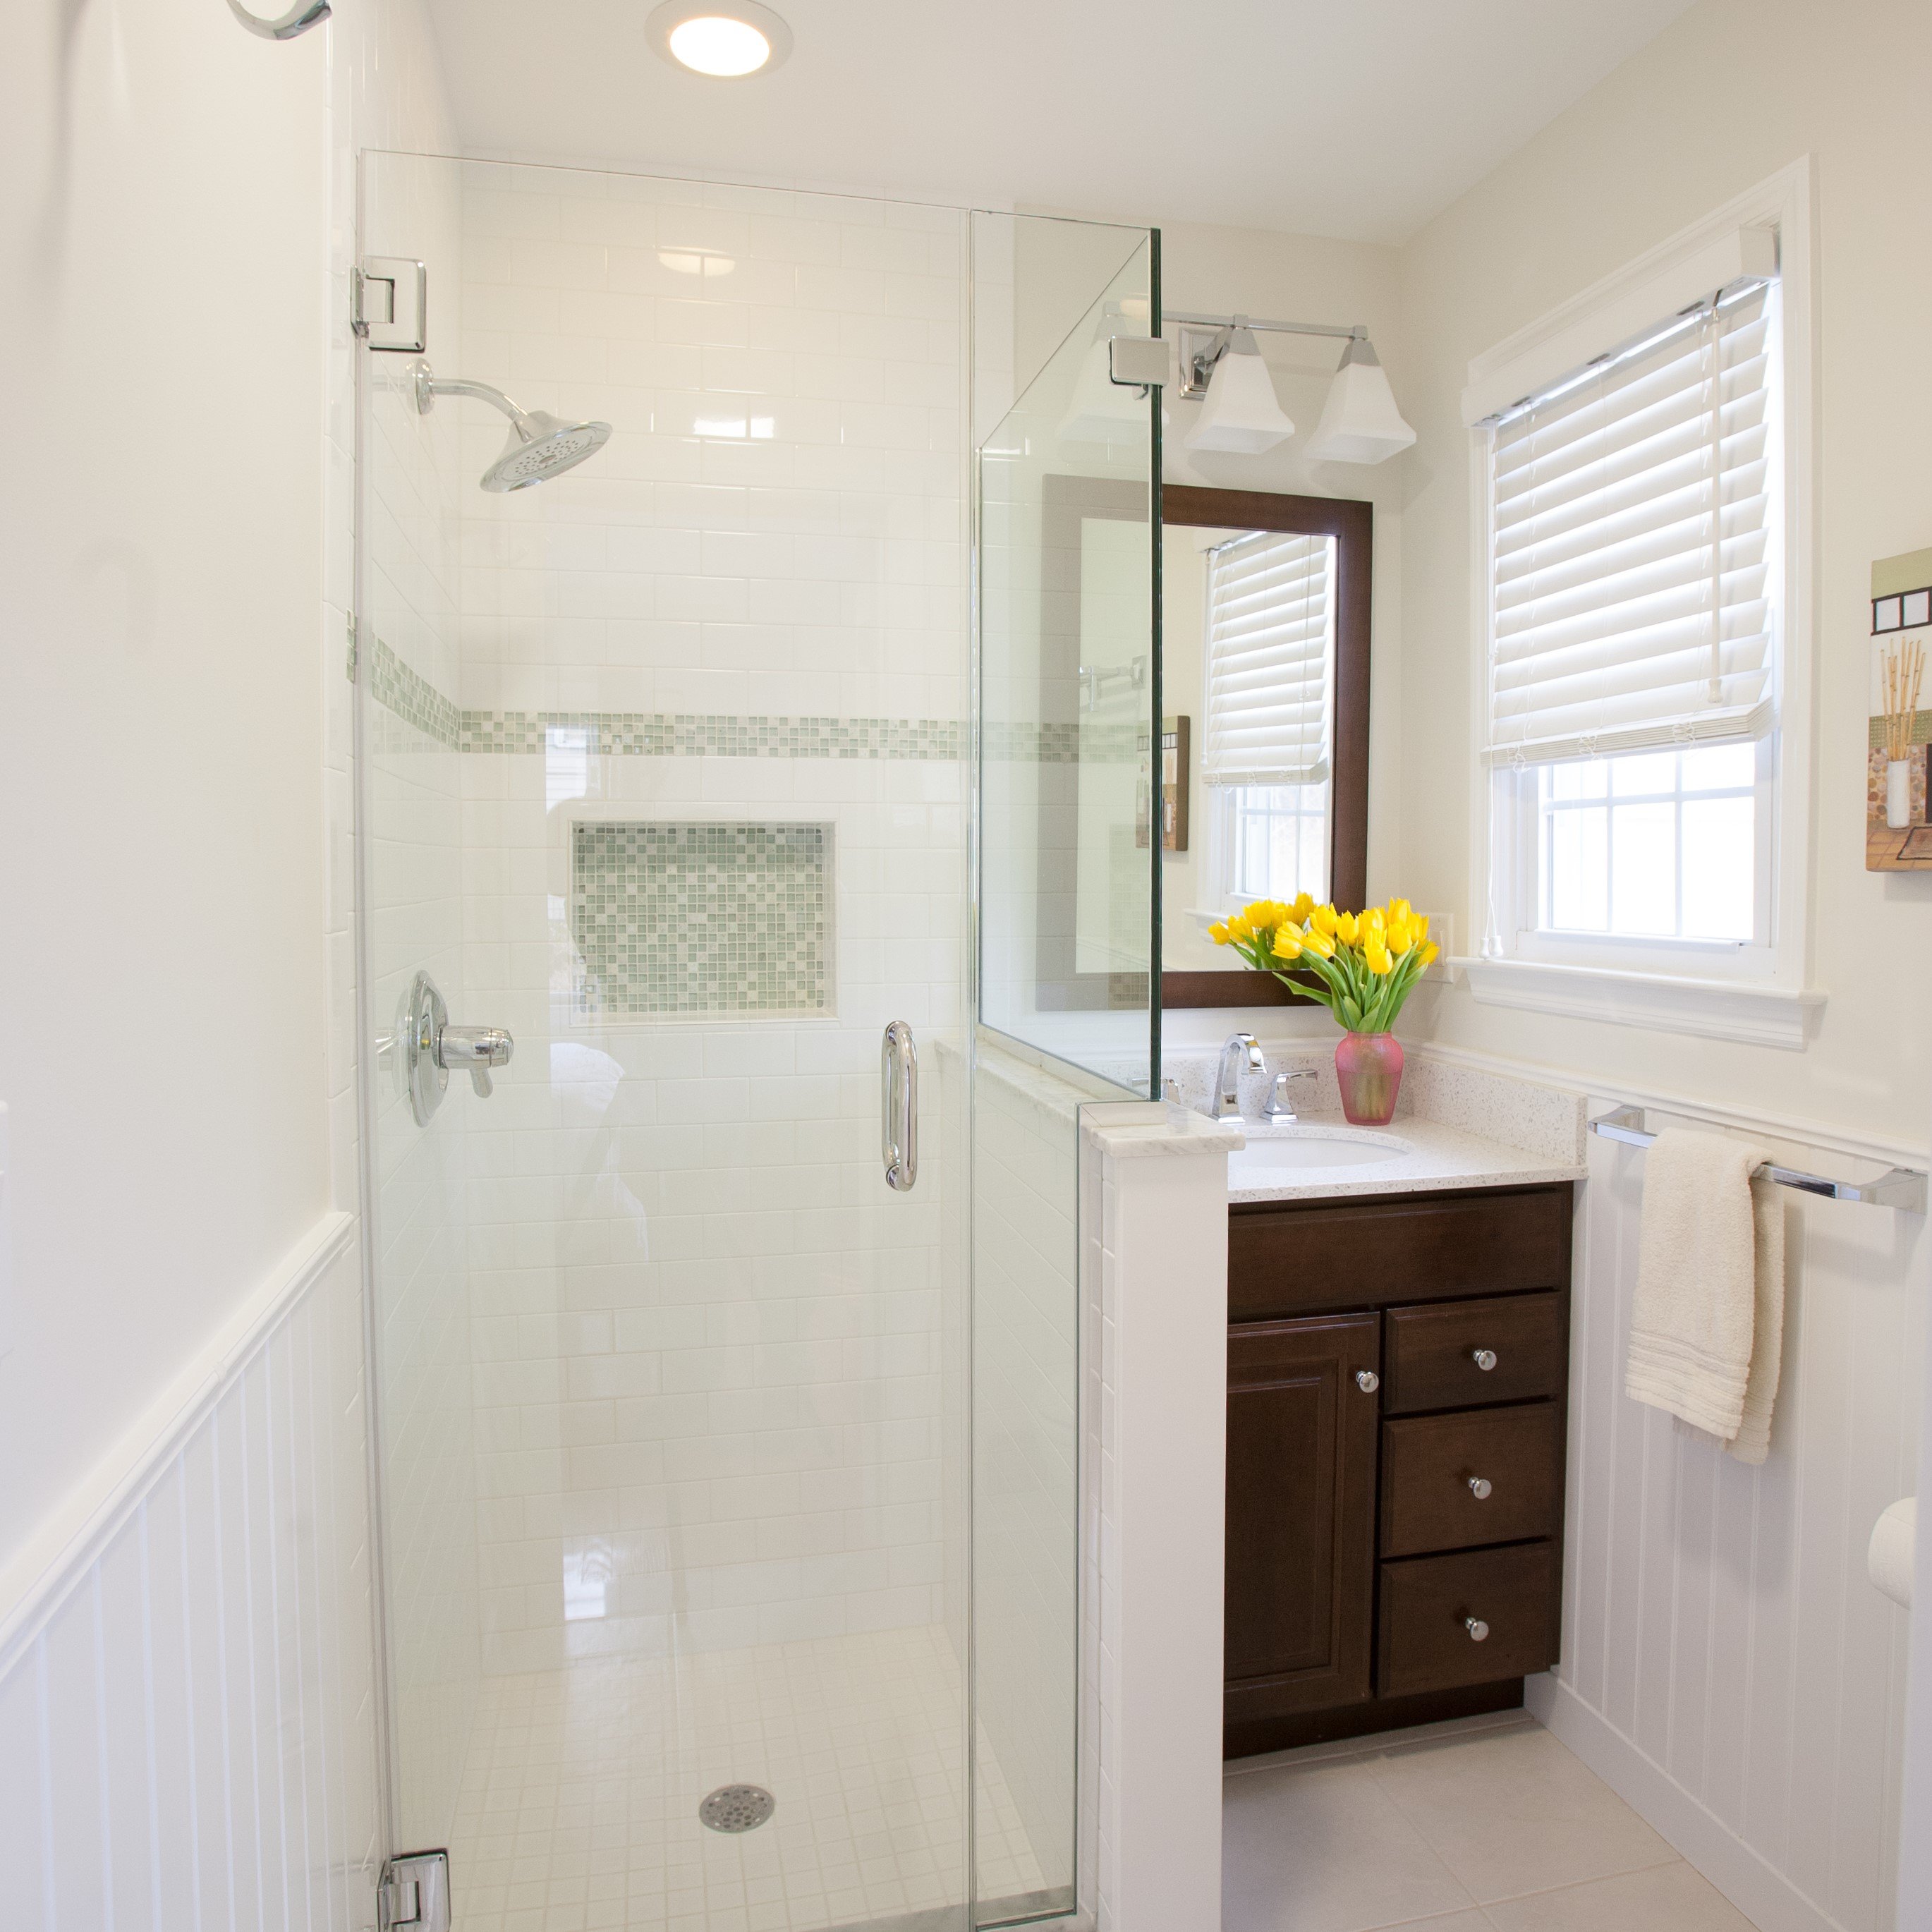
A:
[(686, 918), (660, 734), (412, 697)]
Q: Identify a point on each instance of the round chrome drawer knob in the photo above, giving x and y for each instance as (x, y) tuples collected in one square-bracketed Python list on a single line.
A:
[(1485, 1359), (1479, 1631), (1479, 1488), (1367, 1381)]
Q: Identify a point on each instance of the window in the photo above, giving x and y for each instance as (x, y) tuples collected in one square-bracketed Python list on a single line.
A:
[(1270, 631), (1634, 588)]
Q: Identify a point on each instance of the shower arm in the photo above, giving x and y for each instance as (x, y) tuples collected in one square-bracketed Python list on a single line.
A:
[(429, 387)]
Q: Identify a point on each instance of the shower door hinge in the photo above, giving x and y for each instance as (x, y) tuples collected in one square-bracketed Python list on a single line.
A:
[(390, 304), (413, 1895), (1137, 362)]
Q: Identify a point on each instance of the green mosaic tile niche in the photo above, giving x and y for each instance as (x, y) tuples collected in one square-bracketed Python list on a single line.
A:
[(682, 918)]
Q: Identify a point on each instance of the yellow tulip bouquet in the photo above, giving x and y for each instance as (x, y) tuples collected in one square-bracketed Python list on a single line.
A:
[(1361, 966)]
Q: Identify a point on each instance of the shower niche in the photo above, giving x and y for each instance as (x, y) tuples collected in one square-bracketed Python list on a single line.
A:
[(672, 919)]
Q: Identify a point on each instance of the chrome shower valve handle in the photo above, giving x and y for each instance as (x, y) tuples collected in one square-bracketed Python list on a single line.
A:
[(432, 1048), (477, 1049)]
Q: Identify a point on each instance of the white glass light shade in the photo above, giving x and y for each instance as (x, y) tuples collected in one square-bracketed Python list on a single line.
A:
[(1359, 421), (1102, 410), (1240, 414)]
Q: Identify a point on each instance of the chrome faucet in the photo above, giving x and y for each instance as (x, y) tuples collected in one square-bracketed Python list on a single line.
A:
[(1227, 1075)]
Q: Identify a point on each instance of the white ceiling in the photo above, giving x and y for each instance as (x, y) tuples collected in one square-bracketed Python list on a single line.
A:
[(1354, 118)]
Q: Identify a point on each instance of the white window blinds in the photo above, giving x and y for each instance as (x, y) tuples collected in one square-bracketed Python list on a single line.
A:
[(1632, 527), (1270, 659)]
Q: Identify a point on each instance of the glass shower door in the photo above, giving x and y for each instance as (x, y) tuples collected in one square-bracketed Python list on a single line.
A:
[(703, 1477), (666, 773)]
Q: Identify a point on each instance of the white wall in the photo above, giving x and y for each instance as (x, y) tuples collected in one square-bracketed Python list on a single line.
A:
[(161, 991), (1724, 99), (1725, 1662), (1727, 1665), (176, 1004)]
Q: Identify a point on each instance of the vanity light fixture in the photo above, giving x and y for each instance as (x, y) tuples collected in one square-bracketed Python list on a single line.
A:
[(1359, 421), (1240, 414), (723, 39)]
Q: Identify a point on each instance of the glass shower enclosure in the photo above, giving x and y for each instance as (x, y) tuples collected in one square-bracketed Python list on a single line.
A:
[(727, 1405)]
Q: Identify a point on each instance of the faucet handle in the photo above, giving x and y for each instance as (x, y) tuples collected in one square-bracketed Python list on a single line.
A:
[(1275, 1106), (476, 1049)]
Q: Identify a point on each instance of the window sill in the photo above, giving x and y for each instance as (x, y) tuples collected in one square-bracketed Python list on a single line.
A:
[(1759, 1016)]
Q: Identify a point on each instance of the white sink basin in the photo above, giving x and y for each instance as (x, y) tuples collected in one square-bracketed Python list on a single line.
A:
[(1293, 1156)]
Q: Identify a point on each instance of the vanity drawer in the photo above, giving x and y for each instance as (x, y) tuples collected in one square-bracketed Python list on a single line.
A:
[(1483, 1475), (1431, 1357), (1428, 1603), (1295, 1258)]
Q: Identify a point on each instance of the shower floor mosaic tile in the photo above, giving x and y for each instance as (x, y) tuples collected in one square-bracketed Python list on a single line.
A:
[(578, 1811), (701, 919)]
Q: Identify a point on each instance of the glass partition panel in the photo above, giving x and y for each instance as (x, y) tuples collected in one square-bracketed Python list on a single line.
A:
[(1070, 679)]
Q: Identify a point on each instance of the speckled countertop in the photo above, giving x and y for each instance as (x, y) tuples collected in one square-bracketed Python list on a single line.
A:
[(1421, 1155), (1455, 1126)]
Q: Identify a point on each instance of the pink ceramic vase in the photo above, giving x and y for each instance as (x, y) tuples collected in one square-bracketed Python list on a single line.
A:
[(1368, 1068)]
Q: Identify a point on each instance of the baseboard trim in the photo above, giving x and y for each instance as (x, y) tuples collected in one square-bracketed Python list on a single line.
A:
[(1763, 1894), (67, 1542)]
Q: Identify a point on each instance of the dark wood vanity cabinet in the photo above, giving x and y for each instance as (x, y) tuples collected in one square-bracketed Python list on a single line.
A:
[(1397, 1367)]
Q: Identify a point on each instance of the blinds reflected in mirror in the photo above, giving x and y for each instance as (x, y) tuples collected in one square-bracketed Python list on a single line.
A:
[(1632, 533), (1270, 637)]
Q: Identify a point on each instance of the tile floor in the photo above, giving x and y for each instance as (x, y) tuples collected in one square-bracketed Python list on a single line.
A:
[(1490, 1825), (578, 1811)]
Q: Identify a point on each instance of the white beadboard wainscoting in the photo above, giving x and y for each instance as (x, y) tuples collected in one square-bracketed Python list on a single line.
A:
[(187, 1685), (1727, 1666)]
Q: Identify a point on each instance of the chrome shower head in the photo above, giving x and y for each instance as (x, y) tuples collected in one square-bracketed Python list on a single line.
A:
[(541, 445)]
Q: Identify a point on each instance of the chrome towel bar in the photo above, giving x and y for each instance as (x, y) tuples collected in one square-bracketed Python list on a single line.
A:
[(1900, 1187)]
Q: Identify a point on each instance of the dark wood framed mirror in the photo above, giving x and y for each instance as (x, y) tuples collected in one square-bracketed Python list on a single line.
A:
[(1189, 981)]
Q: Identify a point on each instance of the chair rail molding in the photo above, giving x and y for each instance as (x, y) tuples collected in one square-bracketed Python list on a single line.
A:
[(73, 1535)]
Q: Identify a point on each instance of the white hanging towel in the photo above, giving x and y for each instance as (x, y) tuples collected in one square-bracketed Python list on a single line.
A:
[(1707, 1326)]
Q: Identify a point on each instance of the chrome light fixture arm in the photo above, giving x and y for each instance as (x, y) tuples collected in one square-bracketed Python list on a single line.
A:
[(298, 19)]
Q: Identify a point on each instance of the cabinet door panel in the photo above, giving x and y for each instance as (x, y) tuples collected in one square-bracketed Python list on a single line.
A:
[(1300, 1532)]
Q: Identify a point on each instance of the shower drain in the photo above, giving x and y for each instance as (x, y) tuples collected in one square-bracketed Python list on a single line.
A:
[(737, 1807)]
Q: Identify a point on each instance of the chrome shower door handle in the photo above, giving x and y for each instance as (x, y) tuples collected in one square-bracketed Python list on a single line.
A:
[(475, 1050), (898, 1083)]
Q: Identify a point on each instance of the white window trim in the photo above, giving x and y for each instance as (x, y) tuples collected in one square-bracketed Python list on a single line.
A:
[(1771, 1003)]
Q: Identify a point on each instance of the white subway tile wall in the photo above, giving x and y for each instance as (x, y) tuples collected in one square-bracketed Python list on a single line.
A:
[(707, 1336)]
